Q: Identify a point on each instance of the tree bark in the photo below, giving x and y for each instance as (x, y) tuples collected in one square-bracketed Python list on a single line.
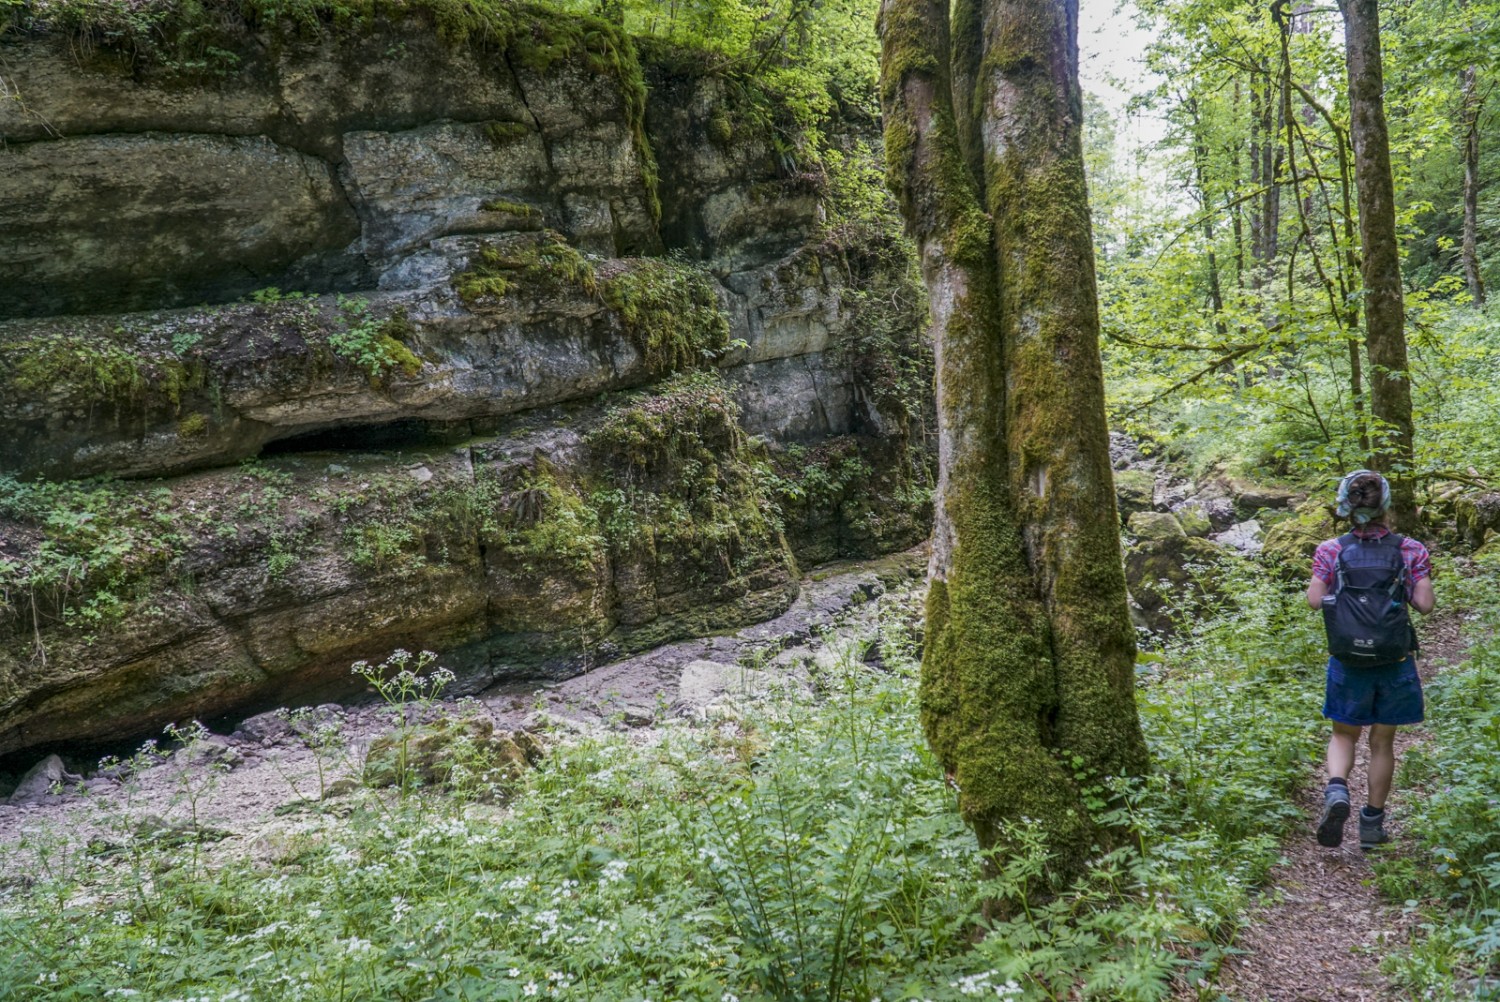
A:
[(1028, 651), (1385, 309)]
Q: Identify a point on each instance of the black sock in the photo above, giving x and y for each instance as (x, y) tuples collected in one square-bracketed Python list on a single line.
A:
[(1374, 812), (1338, 781)]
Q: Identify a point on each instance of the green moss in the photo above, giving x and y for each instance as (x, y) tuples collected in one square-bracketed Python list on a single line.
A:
[(96, 367), (675, 465), (1291, 542), (192, 426), (544, 520), (671, 312), (720, 127), (988, 688), (96, 544), (373, 344), (501, 133), (541, 264), (511, 208)]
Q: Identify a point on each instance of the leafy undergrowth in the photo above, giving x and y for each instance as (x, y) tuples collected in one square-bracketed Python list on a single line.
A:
[(1452, 873), (803, 846)]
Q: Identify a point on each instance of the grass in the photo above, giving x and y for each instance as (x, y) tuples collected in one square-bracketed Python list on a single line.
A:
[(802, 846)]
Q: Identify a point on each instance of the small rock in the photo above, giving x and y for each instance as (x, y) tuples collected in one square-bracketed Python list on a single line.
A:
[(420, 474), (336, 470), (264, 728), (1220, 512), (36, 786), (1477, 514), (340, 788)]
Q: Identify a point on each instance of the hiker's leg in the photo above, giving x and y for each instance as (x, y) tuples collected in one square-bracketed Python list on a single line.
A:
[(1382, 763), (1341, 751)]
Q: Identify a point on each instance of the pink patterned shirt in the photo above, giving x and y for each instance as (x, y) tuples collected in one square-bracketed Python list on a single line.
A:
[(1418, 562)]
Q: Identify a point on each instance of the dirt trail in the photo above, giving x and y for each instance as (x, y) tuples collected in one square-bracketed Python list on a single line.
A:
[(1321, 928)]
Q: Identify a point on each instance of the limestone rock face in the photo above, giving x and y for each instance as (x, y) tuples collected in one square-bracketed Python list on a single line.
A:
[(493, 325), (167, 216)]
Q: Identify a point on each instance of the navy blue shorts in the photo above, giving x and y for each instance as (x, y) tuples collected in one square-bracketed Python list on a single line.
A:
[(1387, 694)]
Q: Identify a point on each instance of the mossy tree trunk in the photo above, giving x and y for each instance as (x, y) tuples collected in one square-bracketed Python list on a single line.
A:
[(1029, 656), (1385, 308)]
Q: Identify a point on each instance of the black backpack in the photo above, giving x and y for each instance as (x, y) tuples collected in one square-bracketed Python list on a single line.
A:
[(1366, 615)]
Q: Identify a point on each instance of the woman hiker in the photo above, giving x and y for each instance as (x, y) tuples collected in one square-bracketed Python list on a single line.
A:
[(1363, 582)]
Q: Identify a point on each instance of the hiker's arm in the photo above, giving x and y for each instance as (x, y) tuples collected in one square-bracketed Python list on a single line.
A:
[(1316, 589), (1422, 596)]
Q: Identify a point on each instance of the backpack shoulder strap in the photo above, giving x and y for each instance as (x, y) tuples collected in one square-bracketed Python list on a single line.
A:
[(1345, 541)]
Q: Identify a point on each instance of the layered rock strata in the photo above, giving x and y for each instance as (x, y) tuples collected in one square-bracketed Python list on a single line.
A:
[(498, 324)]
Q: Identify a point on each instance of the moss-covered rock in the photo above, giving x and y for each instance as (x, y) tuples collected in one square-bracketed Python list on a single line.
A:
[(1169, 574), (1135, 491), (455, 752), (1477, 514), (1194, 520), (1290, 543), (1488, 553), (1154, 526), (1251, 498)]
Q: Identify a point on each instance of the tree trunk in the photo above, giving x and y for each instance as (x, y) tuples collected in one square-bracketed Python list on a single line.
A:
[(1049, 311), (1029, 651), (1385, 310), (1471, 107)]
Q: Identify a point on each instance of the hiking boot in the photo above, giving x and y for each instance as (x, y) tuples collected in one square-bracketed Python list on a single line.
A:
[(1335, 813), (1372, 830)]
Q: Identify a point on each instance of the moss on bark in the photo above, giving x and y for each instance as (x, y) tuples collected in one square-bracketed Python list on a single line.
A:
[(1028, 661)]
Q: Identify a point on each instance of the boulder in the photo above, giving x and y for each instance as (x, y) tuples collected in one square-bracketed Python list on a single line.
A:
[(1154, 526), (1477, 514), (1251, 498), (1134, 491), (1168, 573), (455, 752), (1242, 537), (40, 780), (1194, 519)]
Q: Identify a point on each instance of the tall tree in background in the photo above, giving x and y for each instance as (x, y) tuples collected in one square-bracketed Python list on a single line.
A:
[(1385, 310), (1029, 661), (1471, 103)]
